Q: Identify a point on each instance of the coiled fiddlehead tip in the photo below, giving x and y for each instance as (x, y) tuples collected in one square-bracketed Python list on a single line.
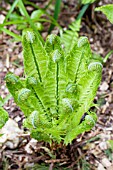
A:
[(82, 41), (23, 94), (95, 66), (67, 105), (71, 88), (31, 81), (29, 35), (56, 56), (34, 118), (51, 38), (11, 78), (90, 122)]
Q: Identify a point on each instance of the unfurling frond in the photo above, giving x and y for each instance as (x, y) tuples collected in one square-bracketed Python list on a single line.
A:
[(86, 125), (95, 66)]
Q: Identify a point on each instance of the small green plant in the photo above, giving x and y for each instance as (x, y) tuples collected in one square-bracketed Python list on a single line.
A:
[(58, 88), (18, 15)]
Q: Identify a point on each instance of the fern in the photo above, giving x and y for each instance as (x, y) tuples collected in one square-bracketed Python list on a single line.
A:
[(107, 10), (58, 87)]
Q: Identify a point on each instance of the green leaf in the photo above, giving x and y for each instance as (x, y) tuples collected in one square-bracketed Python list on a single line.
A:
[(107, 10), (111, 144), (36, 14), (1, 101), (87, 1), (17, 37), (3, 117)]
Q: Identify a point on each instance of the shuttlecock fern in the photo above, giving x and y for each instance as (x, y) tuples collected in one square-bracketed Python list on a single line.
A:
[(58, 87)]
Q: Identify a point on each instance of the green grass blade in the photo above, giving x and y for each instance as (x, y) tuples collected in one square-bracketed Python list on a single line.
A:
[(49, 3), (23, 21), (107, 56), (83, 10), (56, 13), (11, 10), (17, 37)]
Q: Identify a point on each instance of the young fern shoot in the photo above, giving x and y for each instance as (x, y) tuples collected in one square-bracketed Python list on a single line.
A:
[(58, 87)]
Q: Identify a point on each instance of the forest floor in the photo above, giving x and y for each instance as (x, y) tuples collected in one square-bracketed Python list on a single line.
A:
[(89, 151)]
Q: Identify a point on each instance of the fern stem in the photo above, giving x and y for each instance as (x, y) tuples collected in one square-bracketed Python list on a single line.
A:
[(36, 63), (39, 100), (16, 36), (78, 68), (57, 92)]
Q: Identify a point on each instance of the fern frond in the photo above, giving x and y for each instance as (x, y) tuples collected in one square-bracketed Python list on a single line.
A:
[(36, 120), (3, 117), (56, 79), (35, 57), (70, 36), (86, 91), (36, 88), (28, 98), (21, 94), (53, 43), (86, 125), (107, 10), (77, 60)]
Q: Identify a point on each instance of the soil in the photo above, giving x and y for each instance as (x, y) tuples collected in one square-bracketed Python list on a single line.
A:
[(89, 151)]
